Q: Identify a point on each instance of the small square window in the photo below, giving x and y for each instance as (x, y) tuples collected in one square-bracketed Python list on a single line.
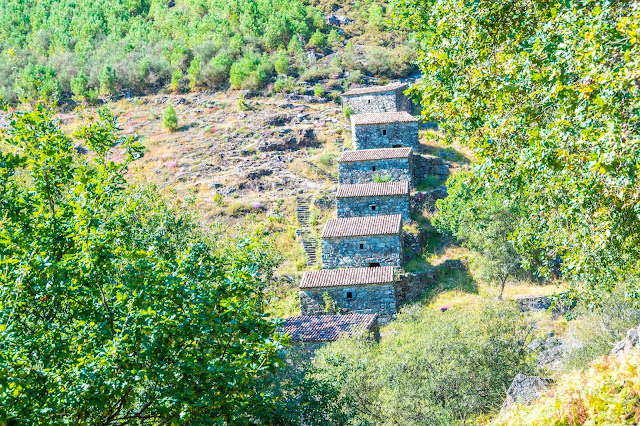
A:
[(384, 131), (368, 101), (349, 295), (373, 207), (361, 246), (373, 169)]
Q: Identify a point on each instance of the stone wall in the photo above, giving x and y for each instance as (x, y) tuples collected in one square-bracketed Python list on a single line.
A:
[(412, 285), (346, 252), (387, 135), (379, 298), (384, 205), (391, 101), (425, 165), (397, 169)]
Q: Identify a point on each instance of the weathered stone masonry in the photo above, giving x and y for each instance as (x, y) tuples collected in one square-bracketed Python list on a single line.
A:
[(363, 166), (362, 241), (384, 130), (373, 199), (389, 98), (370, 290)]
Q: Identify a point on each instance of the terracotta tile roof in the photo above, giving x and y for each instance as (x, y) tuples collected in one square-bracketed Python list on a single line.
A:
[(347, 277), (363, 226), (383, 118), (375, 89), (326, 328), (373, 189), (375, 154)]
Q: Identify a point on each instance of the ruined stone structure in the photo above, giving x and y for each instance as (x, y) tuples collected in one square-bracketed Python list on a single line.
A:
[(362, 241), (362, 290), (373, 199), (390, 98), (369, 165), (309, 333), (384, 130)]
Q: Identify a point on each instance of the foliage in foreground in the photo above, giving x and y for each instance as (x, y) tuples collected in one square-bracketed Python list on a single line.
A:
[(547, 94), (484, 223), (432, 367), (606, 393), (116, 307)]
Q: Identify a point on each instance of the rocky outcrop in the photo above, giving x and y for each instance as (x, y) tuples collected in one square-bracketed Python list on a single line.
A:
[(425, 165), (625, 345), (525, 389), (338, 20), (288, 139), (426, 200)]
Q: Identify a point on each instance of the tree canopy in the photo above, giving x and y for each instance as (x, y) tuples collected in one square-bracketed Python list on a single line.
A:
[(117, 307), (547, 94)]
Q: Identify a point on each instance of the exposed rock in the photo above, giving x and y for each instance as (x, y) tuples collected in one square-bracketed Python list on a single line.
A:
[(552, 352), (277, 120), (534, 303), (625, 345), (288, 139), (525, 389), (258, 173), (338, 20), (426, 200)]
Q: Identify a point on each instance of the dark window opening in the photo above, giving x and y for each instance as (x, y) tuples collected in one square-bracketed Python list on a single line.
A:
[(374, 265), (384, 131), (396, 146), (373, 208), (349, 295), (368, 101), (373, 169), (361, 246)]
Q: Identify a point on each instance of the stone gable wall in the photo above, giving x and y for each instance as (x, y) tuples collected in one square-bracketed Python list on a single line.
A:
[(371, 136), (379, 298), (385, 205), (392, 101), (346, 253), (398, 169)]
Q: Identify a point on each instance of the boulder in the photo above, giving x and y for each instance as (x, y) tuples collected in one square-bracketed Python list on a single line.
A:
[(288, 140), (625, 345), (525, 389), (338, 20), (534, 303)]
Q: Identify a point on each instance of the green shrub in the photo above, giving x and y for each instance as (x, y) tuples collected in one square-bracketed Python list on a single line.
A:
[(216, 72), (281, 62), (318, 90), (432, 367), (382, 178), (176, 78), (318, 40), (170, 119), (347, 111), (107, 80)]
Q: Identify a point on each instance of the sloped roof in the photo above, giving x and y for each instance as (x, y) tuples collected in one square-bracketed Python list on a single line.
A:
[(326, 328), (375, 89), (347, 277), (375, 154), (373, 189), (363, 226), (383, 118)]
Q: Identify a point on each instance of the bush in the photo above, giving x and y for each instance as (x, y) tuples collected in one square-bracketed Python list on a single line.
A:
[(318, 40), (216, 72), (107, 81), (248, 73), (347, 111), (318, 90), (281, 62), (382, 178), (432, 367), (313, 75), (170, 119)]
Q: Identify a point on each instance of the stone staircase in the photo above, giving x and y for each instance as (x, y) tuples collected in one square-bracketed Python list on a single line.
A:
[(303, 233), (321, 172)]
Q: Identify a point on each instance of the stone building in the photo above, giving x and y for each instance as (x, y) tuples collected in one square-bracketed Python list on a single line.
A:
[(311, 332), (367, 165), (373, 199), (390, 98), (363, 290), (384, 130), (362, 241)]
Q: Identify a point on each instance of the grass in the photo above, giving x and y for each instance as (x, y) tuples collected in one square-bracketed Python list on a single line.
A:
[(430, 182)]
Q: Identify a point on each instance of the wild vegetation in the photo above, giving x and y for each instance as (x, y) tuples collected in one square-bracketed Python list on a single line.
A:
[(86, 49)]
